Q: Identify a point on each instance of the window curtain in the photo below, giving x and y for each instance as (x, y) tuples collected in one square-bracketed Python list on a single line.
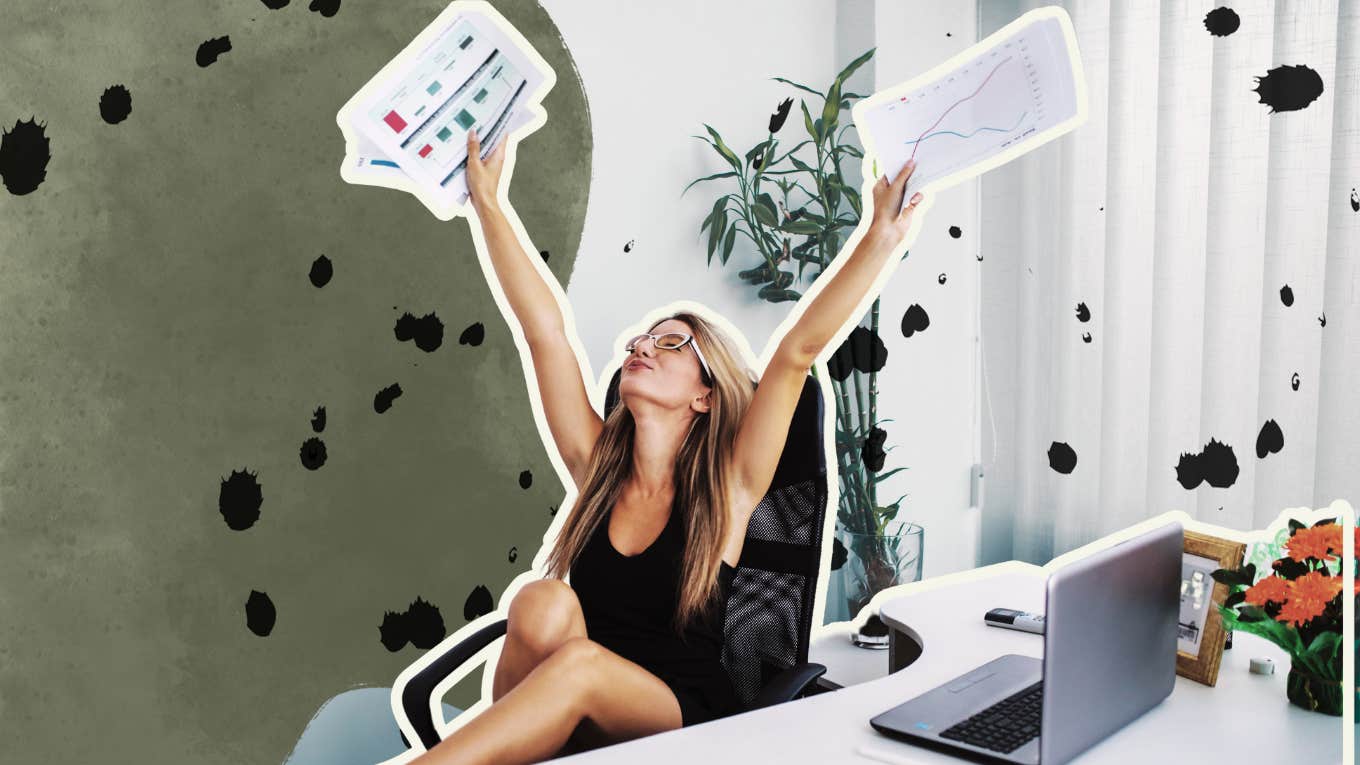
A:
[(1169, 314)]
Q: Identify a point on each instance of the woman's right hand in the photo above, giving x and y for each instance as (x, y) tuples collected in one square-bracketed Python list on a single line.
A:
[(483, 178)]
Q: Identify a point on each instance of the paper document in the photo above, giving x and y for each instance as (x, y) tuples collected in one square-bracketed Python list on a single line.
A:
[(407, 127), (1007, 95)]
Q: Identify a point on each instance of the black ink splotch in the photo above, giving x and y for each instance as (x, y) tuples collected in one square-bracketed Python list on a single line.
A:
[(424, 624), (116, 104), (384, 398), (552, 509), (428, 331), (239, 500), (1322, 320), (1270, 440), (478, 603), (629, 247), (393, 632), (1215, 463), (914, 320), (319, 419), (1086, 337), (1294, 381), (313, 453), (1286, 296), (1288, 88), (839, 555), (514, 553), (942, 279), (979, 257), (1222, 22), (1083, 313), (274, 5), (260, 613), (473, 335), (543, 254), (1355, 201), (872, 452), (955, 232), (781, 113), (862, 349), (327, 8), (322, 271), (211, 49), (1062, 457), (526, 479), (24, 153)]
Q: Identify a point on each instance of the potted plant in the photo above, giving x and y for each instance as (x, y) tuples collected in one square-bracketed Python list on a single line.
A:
[(1298, 608), (795, 209)]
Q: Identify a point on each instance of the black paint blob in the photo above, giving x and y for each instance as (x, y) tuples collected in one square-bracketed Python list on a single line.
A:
[(313, 453), (1294, 381), (543, 254), (239, 500), (1086, 337), (321, 272), (1270, 440), (274, 5), (1083, 313), (1222, 22), (781, 113), (424, 624), (384, 398), (955, 232), (526, 479), (319, 419), (211, 49), (473, 335), (327, 8), (1215, 464), (1355, 201), (514, 553), (428, 331), (393, 632), (942, 279), (862, 349), (24, 153), (872, 452), (839, 555), (914, 320), (478, 603), (260, 613), (1286, 296), (552, 509), (629, 247), (115, 105), (1322, 320), (1062, 457), (1289, 88)]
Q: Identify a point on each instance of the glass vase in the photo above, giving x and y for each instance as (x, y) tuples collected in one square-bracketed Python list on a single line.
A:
[(876, 562), (1314, 693)]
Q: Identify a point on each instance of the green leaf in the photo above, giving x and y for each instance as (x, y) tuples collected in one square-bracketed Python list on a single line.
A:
[(722, 148), (801, 226), (765, 210), (800, 87), (831, 110), (715, 176), (808, 123), (715, 233), (852, 66), (774, 294), (852, 151), (727, 244), (881, 476)]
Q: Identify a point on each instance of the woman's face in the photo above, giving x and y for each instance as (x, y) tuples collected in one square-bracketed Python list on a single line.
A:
[(666, 377)]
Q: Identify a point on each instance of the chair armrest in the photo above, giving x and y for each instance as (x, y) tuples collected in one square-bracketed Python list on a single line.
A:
[(787, 685), (415, 697)]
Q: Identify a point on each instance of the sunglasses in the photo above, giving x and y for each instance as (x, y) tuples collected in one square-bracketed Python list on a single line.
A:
[(673, 341)]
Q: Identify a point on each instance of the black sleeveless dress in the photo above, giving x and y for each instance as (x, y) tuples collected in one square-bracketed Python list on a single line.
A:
[(628, 602)]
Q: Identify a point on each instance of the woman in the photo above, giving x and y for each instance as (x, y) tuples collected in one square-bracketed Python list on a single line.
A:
[(667, 483)]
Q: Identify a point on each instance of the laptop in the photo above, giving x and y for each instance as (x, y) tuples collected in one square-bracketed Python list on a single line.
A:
[(1109, 656)]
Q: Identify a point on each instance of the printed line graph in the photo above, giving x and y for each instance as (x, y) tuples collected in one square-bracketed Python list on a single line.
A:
[(916, 141)]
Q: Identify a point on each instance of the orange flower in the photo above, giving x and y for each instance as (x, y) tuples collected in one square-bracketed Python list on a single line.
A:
[(1315, 542), (1269, 588), (1308, 596)]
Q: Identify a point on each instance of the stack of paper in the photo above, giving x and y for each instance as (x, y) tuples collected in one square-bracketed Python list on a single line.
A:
[(407, 127)]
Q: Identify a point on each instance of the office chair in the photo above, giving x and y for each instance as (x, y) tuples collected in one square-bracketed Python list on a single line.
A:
[(769, 607)]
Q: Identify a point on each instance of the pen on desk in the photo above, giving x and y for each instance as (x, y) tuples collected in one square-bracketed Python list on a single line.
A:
[(884, 755)]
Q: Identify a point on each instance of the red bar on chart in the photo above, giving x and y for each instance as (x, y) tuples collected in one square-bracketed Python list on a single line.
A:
[(425, 150), (395, 121)]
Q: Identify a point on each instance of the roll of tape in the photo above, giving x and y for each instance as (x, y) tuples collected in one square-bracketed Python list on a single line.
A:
[(1262, 667)]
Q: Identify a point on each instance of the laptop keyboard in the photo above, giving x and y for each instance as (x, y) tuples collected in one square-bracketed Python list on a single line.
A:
[(1004, 726)]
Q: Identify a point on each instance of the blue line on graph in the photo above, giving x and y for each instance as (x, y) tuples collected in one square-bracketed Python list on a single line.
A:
[(970, 135)]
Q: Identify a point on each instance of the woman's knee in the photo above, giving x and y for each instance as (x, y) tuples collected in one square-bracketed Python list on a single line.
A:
[(544, 614)]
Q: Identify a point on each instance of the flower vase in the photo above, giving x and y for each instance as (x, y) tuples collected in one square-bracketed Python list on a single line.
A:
[(876, 562), (1314, 693)]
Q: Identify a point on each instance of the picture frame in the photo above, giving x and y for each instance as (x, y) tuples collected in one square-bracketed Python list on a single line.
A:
[(1199, 647)]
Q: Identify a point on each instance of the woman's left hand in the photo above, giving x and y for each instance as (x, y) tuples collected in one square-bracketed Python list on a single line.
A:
[(891, 219)]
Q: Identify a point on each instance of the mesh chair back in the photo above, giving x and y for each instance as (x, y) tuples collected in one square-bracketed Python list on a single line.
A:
[(769, 608)]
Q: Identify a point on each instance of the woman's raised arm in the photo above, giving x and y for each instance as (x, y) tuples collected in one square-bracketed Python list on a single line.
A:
[(574, 423)]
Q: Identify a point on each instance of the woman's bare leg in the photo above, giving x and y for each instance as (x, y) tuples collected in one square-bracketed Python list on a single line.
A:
[(543, 615), (581, 681)]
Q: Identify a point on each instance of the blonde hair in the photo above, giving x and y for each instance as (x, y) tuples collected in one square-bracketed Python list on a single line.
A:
[(701, 475)]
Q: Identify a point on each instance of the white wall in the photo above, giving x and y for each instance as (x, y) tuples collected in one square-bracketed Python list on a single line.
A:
[(653, 74)]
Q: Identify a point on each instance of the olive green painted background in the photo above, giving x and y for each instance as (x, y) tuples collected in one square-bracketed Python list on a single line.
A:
[(158, 331)]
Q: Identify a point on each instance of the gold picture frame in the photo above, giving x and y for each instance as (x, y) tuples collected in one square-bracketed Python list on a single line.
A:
[(1199, 648)]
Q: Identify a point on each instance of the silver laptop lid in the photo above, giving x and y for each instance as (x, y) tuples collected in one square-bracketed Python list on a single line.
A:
[(1110, 640)]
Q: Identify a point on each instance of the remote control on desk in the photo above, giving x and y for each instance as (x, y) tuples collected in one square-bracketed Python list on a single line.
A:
[(1009, 618)]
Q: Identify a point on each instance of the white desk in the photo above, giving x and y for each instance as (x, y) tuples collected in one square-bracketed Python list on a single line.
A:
[(1195, 724)]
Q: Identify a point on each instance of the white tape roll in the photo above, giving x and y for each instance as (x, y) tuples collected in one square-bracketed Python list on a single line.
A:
[(1262, 667)]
